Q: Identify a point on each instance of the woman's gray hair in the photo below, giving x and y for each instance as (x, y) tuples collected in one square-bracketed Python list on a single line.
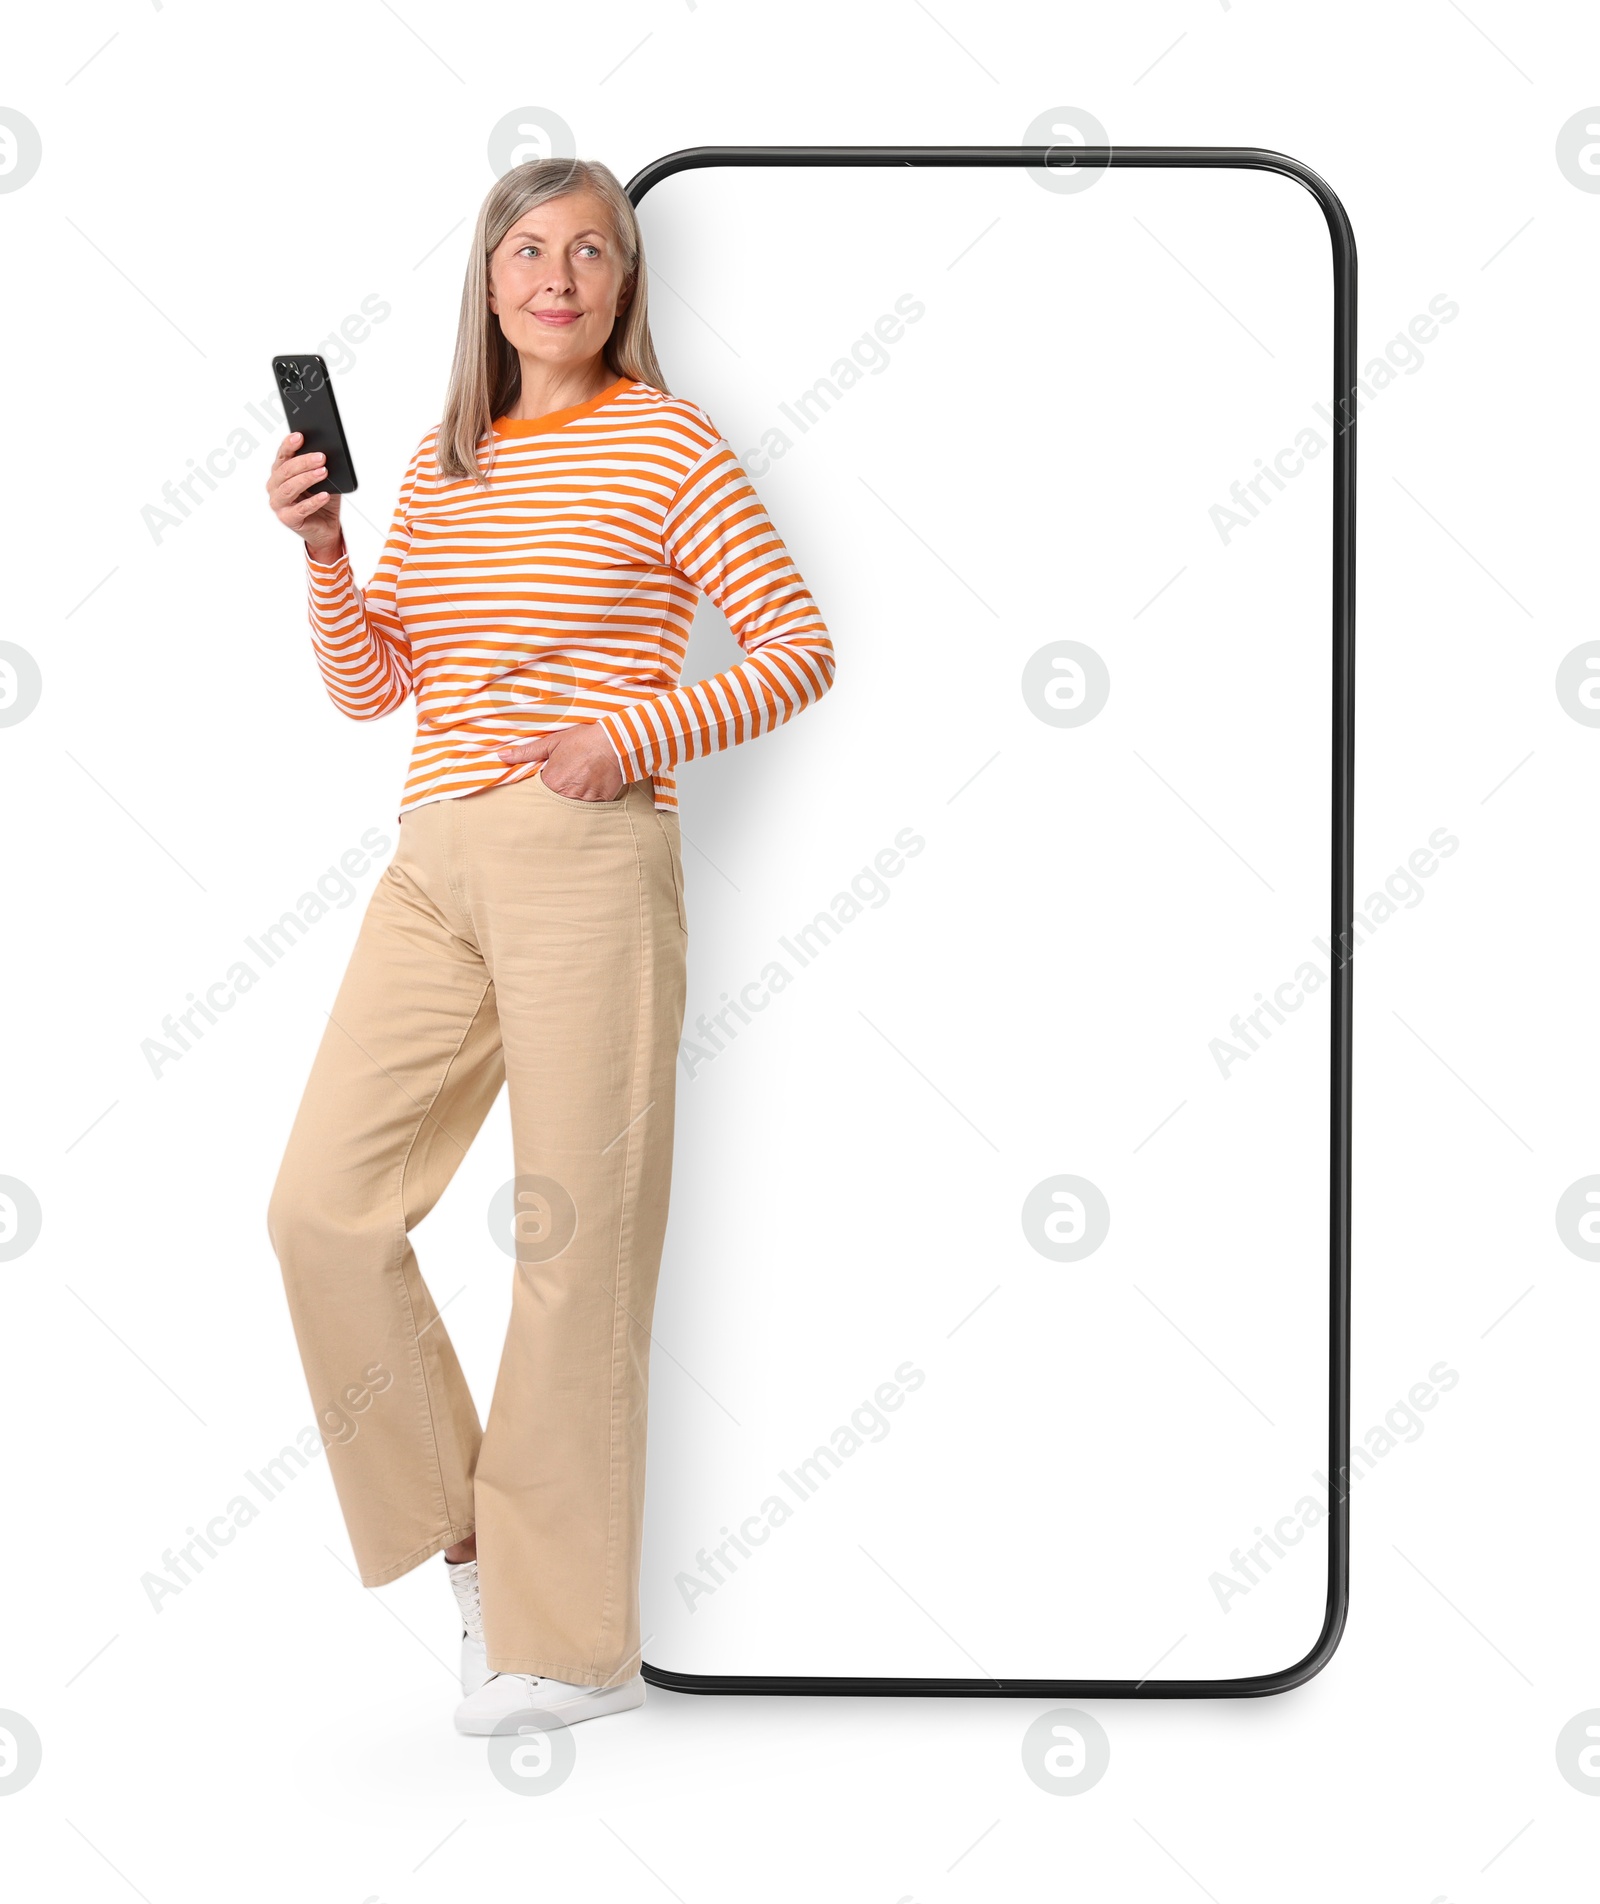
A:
[(486, 376)]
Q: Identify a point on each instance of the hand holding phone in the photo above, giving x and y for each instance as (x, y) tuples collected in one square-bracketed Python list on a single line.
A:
[(313, 466)]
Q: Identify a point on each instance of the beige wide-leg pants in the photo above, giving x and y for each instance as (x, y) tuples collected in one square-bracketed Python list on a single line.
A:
[(523, 937)]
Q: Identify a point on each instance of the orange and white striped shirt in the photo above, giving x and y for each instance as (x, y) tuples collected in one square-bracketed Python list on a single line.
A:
[(563, 594)]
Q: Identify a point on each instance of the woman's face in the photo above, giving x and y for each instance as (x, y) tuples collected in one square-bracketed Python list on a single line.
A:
[(556, 281)]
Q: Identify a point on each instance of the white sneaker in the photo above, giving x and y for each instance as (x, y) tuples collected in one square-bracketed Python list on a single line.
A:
[(505, 1693), (474, 1662)]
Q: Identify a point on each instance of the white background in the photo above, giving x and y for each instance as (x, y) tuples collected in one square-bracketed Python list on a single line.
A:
[(220, 184)]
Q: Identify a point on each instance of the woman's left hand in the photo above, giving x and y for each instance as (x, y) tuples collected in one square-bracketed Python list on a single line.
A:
[(578, 762)]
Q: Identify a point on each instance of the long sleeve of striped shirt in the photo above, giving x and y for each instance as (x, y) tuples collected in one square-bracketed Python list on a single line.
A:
[(717, 535), (360, 642)]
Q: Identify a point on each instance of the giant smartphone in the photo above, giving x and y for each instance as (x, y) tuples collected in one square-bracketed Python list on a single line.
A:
[(1002, 1338)]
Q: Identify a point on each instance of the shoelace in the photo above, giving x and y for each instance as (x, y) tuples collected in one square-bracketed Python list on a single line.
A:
[(466, 1586)]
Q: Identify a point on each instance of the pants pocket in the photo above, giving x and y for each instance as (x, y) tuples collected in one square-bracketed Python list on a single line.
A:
[(674, 837)]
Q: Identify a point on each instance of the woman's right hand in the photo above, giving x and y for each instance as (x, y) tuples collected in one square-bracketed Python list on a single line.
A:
[(315, 519)]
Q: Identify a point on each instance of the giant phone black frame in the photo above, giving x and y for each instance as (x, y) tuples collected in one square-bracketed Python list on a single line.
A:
[(1342, 242)]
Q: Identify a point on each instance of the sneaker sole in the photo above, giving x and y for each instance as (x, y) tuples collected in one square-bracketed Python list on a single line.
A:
[(593, 1705)]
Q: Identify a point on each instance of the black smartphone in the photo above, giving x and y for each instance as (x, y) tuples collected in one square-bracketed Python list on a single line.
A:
[(306, 390)]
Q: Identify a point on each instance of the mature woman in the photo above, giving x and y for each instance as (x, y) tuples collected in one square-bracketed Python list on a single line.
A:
[(535, 596)]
